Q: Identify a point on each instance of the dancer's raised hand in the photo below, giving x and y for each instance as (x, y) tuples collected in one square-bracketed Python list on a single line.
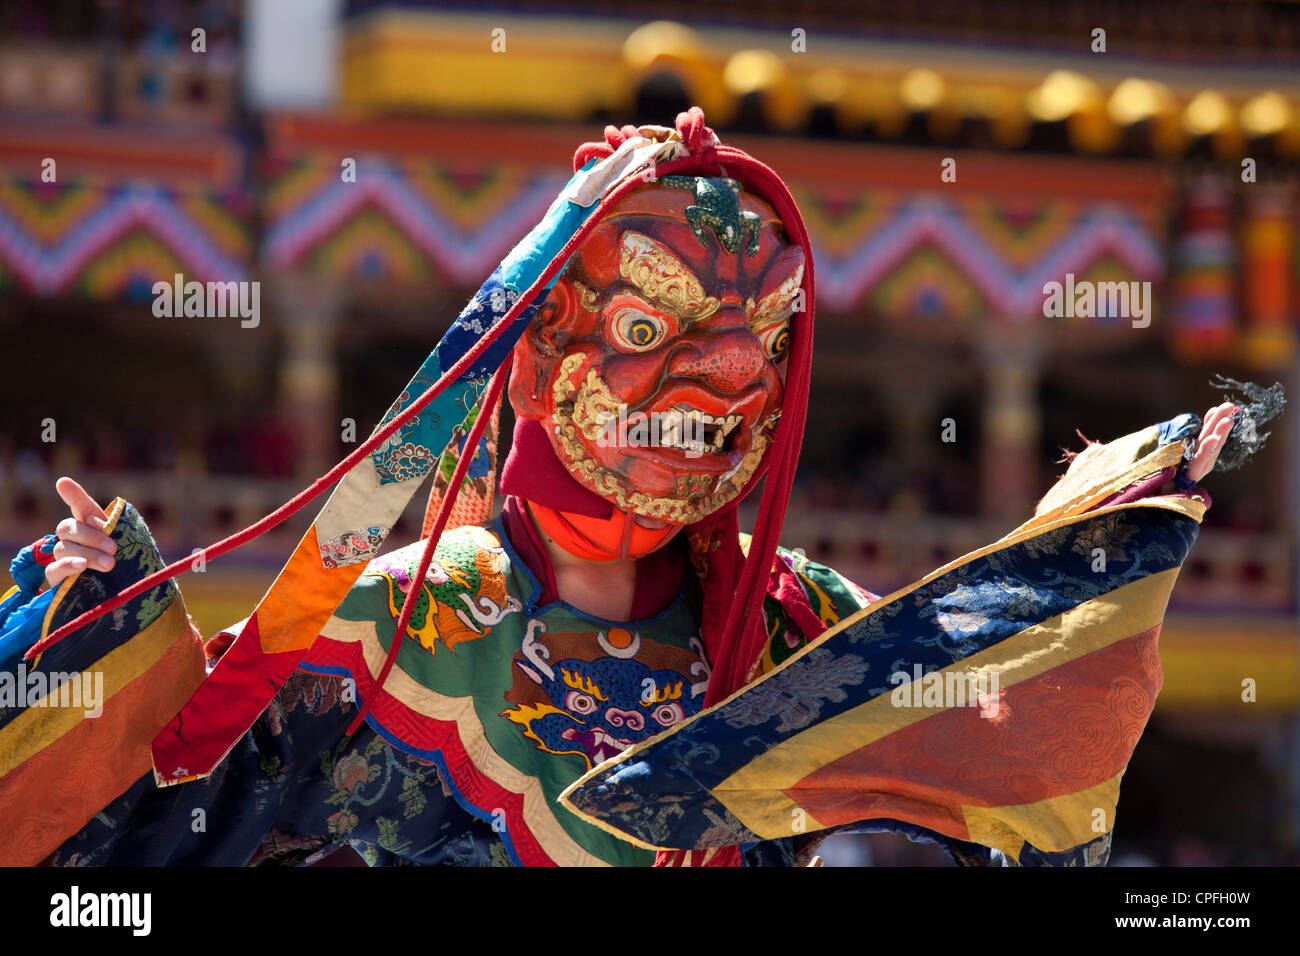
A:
[(82, 543)]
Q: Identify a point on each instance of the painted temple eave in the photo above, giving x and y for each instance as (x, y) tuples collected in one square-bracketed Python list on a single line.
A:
[(894, 237), (557, 67)]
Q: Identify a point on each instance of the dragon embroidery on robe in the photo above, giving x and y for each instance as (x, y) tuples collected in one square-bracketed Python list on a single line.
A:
[(464, 594)]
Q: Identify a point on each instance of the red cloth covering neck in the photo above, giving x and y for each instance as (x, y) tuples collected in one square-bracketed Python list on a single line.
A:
[(658, 575), (532, 471)]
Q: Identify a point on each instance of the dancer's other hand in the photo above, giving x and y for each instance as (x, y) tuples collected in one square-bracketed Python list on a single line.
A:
[(82, 543), (1214, 432)]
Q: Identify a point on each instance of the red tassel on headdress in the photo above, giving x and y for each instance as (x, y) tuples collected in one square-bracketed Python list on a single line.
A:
[(734, 586), (733, 627)]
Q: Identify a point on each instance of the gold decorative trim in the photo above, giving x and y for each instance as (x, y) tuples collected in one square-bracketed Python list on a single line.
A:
[(588, 299), (776, 305), (661, 276)]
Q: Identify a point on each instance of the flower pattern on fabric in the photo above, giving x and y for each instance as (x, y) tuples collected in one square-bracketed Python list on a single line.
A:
[(405, 461), (418, 385), (135, 546), (351, 772), (964, 612), (1109, 535), (406, 453), (1048, 543), (315, 694), (486, 306), (152, 604), (878, 628), (352, 546), (796, 694)]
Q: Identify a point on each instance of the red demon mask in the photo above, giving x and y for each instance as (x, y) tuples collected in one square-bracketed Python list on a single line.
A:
[(658, 361)]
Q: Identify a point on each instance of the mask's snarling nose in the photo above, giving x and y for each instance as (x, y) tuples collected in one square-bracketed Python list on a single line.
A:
[(727, 361)]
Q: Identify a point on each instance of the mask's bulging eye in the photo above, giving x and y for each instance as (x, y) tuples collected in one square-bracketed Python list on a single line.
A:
[(637, 331), (775, 339)]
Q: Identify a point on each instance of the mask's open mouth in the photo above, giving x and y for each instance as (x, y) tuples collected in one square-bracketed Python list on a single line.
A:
[(692, 430), (695, 463)]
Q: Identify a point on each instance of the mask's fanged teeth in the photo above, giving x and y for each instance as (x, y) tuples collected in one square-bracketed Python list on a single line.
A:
[(681, 421)]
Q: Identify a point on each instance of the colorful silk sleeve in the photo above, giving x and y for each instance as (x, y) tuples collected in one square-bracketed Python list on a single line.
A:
[(293, 788), (926, 709)]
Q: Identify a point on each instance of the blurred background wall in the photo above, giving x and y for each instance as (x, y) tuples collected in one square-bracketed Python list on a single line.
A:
[(219, 154)]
